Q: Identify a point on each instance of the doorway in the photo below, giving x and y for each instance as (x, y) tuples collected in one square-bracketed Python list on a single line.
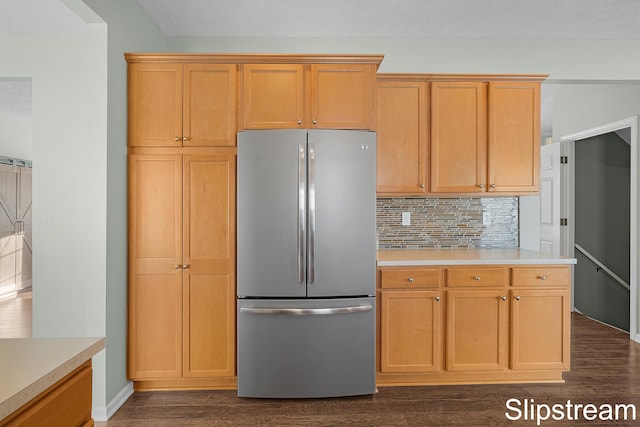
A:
[(602, 216)]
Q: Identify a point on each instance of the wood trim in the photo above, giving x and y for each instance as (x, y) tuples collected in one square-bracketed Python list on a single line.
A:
[(222, 151), (228, 383), (428, 77), (261, 58)]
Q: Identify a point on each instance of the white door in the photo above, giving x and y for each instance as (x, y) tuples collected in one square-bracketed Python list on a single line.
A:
[(550, 198)]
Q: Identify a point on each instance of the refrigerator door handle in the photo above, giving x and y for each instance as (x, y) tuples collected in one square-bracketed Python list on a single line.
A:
[(312, 214), (307, 311), (302, 206)]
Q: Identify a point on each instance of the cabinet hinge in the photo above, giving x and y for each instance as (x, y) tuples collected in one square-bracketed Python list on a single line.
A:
[(563, 221), (564, 160)]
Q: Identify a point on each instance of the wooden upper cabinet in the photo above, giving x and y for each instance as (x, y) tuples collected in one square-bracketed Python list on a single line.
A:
[(273, 96), (402, 126), (342, 96), (514, 137), (290, 95), (174, 104), (458, 137)]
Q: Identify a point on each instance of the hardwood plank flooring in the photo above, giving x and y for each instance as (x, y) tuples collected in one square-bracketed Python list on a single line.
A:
[(15, 316), (605, 371)]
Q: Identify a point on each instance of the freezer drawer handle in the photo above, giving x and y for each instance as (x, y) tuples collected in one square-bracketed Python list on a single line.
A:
[(307, 311)]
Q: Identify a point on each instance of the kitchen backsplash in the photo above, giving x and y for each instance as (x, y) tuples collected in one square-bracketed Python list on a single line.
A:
[(448, 223)]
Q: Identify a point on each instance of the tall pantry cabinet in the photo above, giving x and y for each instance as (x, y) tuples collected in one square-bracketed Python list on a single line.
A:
[(181, 201)]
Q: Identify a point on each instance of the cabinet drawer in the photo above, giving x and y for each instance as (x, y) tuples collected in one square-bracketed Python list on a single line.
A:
[(540, 276), (477, 276), (423, 278)]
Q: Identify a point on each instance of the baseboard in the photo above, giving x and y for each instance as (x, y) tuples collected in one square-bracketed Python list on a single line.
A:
[(104, 413)]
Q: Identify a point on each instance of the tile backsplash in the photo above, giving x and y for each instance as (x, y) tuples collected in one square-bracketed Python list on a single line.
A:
[(448, 223)]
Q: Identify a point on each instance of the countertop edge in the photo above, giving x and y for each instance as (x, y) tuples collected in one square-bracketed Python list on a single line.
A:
[(423, 262), (31, 391)]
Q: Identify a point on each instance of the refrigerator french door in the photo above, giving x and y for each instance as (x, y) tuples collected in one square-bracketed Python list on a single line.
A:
[(306, 263)]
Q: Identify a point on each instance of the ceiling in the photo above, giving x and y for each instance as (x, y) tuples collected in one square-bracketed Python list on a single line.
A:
[(549, 19), (525, 19)]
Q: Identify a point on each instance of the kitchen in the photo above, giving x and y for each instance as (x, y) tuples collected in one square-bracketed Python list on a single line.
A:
[(111, 314)]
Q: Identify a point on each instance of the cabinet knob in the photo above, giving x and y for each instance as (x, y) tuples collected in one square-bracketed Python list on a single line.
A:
[(185, 266), (517, 298), (503, 298), (176, 139), (437, 299), (177, 267), (411, 280), (480, 185), (421, 185), (185, 138), (315, 122), (299, 121), (477, 278), (542, 277), (493, 186)]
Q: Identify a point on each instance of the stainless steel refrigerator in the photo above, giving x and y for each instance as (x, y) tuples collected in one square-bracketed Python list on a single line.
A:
[(306, 263)]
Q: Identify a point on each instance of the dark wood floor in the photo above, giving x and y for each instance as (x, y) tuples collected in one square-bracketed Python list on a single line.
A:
[(605, 371)]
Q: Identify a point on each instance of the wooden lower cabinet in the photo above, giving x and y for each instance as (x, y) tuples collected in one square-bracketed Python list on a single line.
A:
[(476, 330), (182, 268), (456, 330), (410, 339), (66, 403)]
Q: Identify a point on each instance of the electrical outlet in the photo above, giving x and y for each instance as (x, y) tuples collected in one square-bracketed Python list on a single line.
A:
[(486, 218), (406, 218)]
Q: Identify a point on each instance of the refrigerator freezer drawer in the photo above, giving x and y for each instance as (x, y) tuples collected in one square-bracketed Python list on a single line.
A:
[(306, 348)]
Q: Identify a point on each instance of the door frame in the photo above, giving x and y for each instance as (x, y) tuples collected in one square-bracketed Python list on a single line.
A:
[(569, 206)]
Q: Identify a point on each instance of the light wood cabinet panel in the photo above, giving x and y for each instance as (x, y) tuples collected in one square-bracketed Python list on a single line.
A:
[(401, 278), (173, 105), (155, 246), (410, 331), (342, 96), (290, 95), (273, 96), (402, 126), (458, 137), (477, 276), (155, 104), (541, 276), (514, 137), (209, 252), (209, 112), (182, 266), (476, 330), (540, 329)]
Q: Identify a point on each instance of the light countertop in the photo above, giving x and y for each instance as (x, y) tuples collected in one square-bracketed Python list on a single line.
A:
[(418, 257), (28, 366)]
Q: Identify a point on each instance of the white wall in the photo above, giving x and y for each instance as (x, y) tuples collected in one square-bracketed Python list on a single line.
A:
[(69, 75), (16, 137)]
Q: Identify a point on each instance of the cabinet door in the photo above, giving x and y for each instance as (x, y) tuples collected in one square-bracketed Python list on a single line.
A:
[(540, 329), (458, 137), (273, 96), (514, 137), (209, 105), (402, 125), (155, 104), (155, 252), (209, 273), (342, 96), (410, 331), (476, 330)]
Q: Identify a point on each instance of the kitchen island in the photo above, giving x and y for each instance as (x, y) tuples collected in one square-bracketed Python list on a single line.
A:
[(45, 379), (464, 316)]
